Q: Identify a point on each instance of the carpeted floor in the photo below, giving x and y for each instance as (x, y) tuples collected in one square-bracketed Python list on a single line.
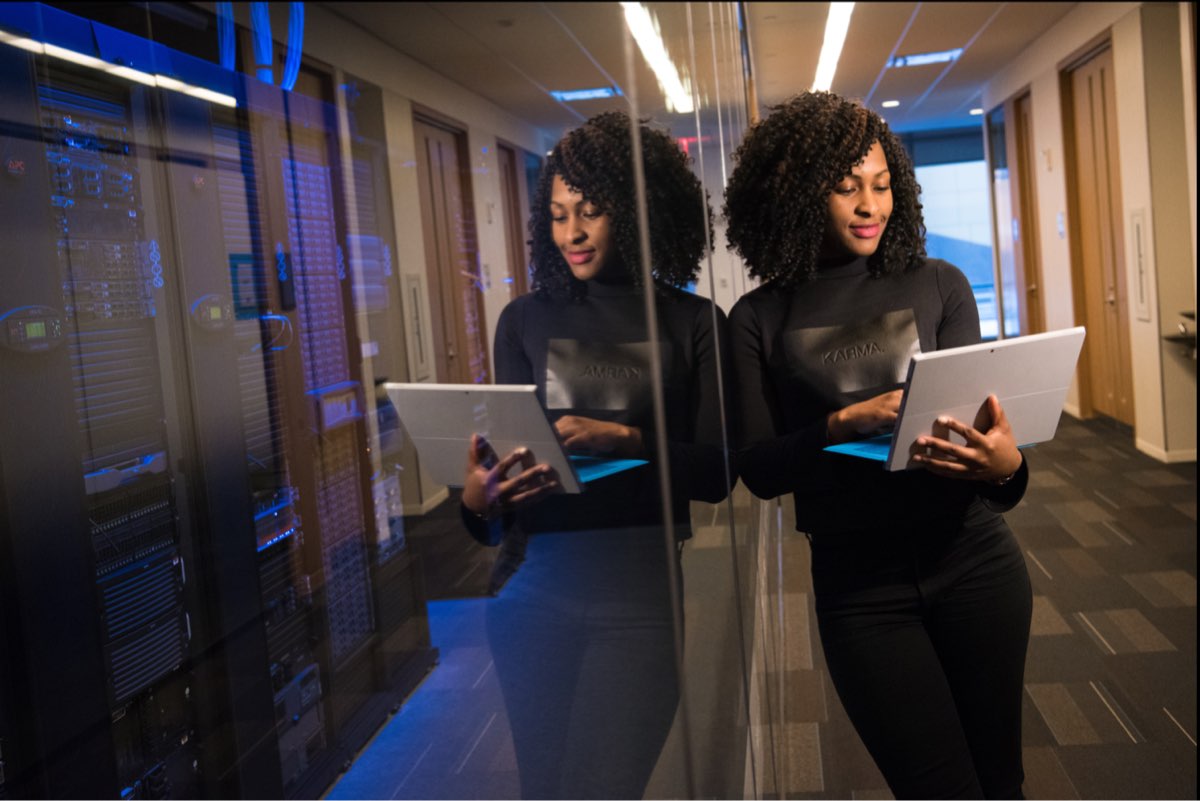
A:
[(1109, 537), (1110, 705)]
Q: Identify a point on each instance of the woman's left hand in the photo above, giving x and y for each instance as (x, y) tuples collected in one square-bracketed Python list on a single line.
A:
[(989, 455), (598, 436)]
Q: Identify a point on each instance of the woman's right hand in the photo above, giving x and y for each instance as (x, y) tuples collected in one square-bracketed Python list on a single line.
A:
[(873, 416), (488, 489)]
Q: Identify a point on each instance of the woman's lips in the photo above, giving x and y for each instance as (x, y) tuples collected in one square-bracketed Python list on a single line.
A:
[(580, 256), (865, 231)]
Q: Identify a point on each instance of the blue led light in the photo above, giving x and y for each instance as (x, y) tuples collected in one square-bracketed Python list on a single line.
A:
[(295, 47), (276, 509), (277, 538), (225, 35)]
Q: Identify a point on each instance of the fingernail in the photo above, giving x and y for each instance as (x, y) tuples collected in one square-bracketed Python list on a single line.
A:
[(943, 421)]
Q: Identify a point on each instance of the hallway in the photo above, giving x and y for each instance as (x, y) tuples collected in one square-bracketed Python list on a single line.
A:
[(1110, 706)]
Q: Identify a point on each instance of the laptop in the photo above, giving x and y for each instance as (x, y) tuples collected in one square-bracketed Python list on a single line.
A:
[(1030, 375), (440, 419)]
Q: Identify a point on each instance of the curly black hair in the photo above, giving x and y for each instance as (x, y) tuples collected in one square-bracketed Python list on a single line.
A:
[(596, 160), (776, 201)]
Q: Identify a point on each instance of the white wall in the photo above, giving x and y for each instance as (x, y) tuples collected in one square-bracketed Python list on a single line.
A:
[(1037, 69), (1187, 65), (1175, 258)]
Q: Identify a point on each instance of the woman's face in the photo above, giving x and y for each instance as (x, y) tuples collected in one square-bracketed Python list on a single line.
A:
[(859, 207), (581, 231)]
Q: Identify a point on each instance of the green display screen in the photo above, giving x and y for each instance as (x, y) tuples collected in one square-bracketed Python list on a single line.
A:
[(35, 330)]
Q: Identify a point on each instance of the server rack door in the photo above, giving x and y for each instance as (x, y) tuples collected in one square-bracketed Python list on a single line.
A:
[(295, 143), (116, 441), (241, 747), (56, 741)]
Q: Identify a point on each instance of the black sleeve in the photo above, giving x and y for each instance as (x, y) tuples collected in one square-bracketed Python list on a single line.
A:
[(959, 324), (766, 461), (698, 466), (1001, 499), (512, 363), (484, 531)]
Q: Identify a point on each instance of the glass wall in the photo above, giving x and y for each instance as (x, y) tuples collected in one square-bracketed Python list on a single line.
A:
[(231, 557), (237, 557)]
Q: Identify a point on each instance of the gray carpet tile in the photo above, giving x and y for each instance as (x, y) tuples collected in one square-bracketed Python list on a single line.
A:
[(1109, 537)]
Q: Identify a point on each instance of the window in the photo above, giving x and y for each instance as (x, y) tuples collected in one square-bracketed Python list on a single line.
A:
[(954, 197)]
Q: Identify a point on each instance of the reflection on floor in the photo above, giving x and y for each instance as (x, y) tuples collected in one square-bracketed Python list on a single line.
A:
[(1110, 706), (451, 739)]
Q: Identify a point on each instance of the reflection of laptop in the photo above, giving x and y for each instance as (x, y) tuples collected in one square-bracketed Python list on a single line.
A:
[(440, 419), (1030, 375)]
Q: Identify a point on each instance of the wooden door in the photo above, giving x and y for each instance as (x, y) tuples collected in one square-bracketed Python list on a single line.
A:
[(456, 298), (1033, 315), (1097, 240), (514, 222)]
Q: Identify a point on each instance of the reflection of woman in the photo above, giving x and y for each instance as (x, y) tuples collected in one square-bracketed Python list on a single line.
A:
[(923, 600), (582, 634)]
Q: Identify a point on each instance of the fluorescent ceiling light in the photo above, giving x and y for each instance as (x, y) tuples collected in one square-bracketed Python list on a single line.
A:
[(571, 95), (170, 83), (890, 103), (115, 69), (131, 74), (836, 26), (211, 96), (22, 42), (919, 59), (975, 112), (645, 33)]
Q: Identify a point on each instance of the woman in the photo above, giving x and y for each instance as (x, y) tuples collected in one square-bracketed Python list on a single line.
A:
[(582, 635), (922, 596)]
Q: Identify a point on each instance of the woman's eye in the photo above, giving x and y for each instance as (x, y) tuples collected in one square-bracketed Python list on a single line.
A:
[(844, 190), (558, 218), (883, 189), (592, 214)]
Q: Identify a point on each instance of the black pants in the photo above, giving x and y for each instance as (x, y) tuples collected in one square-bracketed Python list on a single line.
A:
[(925, 634), (583, 644)]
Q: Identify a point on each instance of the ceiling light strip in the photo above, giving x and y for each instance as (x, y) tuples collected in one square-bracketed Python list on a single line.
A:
[(128, 73), (645, 33), (575, 95), (924, 59), (836, 26)]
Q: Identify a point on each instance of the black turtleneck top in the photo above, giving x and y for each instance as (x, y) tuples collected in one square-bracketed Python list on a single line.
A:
[(800, 353), (592, 358)]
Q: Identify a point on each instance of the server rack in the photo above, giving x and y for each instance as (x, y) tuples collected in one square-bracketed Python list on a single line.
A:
[(105, 626), (191, 574)]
